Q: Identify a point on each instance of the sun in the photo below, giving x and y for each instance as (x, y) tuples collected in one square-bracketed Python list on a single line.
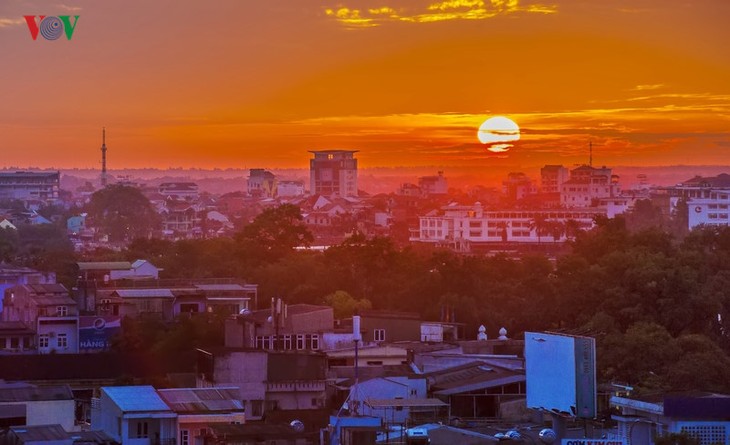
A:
[(498, 133)]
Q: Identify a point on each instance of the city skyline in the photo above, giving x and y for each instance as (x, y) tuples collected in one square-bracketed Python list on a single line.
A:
[(407, 83)]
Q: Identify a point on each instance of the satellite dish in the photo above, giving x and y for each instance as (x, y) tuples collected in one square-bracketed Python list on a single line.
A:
[(270, 319), (297, 425), (547, 436), (245, 311), (512, 434)]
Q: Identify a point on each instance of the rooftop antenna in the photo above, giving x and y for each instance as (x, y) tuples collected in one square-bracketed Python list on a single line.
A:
[(590, 156), (103, 157)]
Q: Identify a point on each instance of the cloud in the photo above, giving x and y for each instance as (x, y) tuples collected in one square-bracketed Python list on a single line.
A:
[(650, 87), (6, 22), (70, 8), (434, 12)]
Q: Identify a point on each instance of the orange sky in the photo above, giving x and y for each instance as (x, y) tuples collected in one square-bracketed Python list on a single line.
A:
[(239, 83)]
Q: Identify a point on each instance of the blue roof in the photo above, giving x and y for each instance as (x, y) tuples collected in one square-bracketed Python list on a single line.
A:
[(136, 398)]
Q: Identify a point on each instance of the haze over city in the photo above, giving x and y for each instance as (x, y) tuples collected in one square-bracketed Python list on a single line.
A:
[(239, 84)]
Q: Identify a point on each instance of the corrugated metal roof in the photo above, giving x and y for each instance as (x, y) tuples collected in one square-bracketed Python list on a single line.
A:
[(59, 392), (220, 287), (136, 398), (202, 399), (36, 433), (404, 403), (144, 293), (105, 265)]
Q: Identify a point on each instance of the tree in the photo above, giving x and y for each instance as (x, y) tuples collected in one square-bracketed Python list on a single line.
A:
[(123, 213), (276, 232), (344, 305)]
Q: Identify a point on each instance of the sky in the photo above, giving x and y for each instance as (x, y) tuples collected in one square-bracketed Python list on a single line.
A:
[(243, 84)]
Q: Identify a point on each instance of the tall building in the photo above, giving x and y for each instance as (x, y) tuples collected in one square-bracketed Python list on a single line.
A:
[(30, 186), (261, 183), (588, 186), (333, 172), (707, 198), (552, 178), (103, 158)]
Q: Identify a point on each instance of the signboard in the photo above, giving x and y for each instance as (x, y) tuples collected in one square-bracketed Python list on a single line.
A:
[(96, 332), (561, 374)]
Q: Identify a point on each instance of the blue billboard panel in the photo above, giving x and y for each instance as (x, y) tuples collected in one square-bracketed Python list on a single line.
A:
[(96, 332)]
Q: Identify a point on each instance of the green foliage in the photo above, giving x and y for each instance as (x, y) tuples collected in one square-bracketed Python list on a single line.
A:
[(676, 439), (275, 232), (344, 305), (123, 213)]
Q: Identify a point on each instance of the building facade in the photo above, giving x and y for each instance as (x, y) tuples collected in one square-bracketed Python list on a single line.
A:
[(333, 172), (30, 186)]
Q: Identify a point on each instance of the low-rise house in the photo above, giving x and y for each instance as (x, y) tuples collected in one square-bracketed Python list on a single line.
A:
[(199, 409), (134, 415), (55, 435), (49, 311), (37, 405), (16, 338), (702, 415), (267, 380)]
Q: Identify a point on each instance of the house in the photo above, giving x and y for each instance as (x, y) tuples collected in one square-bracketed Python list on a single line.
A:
[(37, 405), (55, 435), (49, 311), (702, 415), (16, 337), (267, 380), (13, 275), (383, 396), (390, 326), (478, 390), (199, 409), (134, 415), (258, 434)]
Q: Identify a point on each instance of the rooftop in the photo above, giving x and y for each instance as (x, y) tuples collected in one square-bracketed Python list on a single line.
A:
[(193, 400), (36, 393), (136, 398), (105, 265)]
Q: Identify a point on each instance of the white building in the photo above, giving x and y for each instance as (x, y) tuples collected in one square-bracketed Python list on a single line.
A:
[(587, 185), (134, 415), (289, 189), (46, 405), (462, 225), (552, 178), (708, 200), (48, 310)]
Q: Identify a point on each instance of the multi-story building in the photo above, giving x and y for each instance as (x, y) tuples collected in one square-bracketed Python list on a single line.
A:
[(587, 185), (49, 311), (30, 186), (433, 185), (707, 199), (261, 183), (518, 186), (552, 178), (461, 226), (13, 275), (180, 191), (333, 172), (289, 189)]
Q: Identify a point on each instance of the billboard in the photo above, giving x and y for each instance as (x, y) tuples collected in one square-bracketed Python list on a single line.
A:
[(561, 373), (96, 332)]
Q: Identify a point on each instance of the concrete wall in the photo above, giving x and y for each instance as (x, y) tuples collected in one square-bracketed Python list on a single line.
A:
[(245, 370)]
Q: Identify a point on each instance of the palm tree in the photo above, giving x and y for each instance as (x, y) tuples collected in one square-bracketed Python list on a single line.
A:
[(540, 226)]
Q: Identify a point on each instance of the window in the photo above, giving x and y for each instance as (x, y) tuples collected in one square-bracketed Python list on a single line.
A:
[(257, 408), (315, 341), (315, 401), (43, 341), (287, 342), (142, 430), (62, 340), (300, 341), (379, 335), (62, 311), (184, 437), (14, 342)]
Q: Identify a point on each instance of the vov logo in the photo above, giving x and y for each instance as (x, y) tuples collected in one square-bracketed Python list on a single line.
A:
[(51, 27)]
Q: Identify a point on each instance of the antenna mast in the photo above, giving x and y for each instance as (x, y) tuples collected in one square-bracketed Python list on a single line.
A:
[(103, 157)]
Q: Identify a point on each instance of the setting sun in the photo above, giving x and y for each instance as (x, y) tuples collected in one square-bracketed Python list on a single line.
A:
[(498, 133)]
